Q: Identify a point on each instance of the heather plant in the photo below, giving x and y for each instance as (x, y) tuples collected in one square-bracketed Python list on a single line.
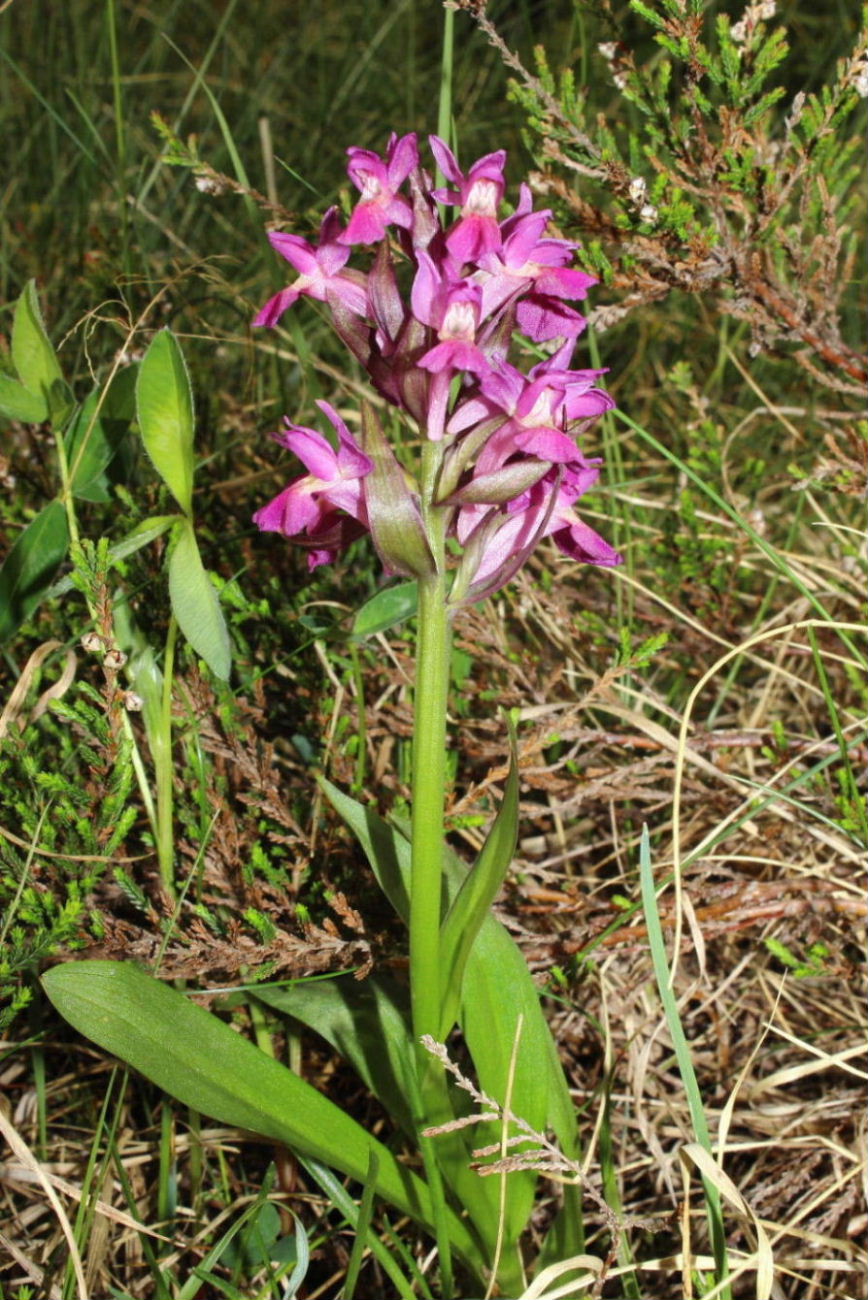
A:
[(714, 177), (464, 461)]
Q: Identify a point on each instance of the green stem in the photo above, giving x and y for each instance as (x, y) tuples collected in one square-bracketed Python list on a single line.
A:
[(433, 648), (429, 780), (433, 659)]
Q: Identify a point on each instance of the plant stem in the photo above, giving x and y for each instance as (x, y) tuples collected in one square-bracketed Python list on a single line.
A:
[(433, 649), (433, 660), (429, 780)]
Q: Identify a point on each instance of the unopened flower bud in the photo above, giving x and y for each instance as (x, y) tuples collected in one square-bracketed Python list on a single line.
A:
[(648, 213), (91, 642), (114, 660), (133, 703), (638, 189)]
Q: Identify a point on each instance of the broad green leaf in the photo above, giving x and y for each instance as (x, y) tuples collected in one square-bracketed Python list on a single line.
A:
[(164, 401), (388, 607), (196, 1058), (96, 431), (34, 357), (496, 991), (30, 566), (19, 403), (475, 896), (367, 1022), (195, 603), (395, 521)]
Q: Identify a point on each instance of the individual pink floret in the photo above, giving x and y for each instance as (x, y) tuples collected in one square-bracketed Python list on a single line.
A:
[(379, 181), (320, 269), (334, 483), (479, 193)]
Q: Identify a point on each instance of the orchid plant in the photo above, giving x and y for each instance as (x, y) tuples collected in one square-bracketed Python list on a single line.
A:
[(429, 286)]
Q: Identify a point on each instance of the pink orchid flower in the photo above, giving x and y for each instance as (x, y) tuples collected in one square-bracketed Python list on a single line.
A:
[(479, 193), (310, 505), (380, 205), (321, 270)]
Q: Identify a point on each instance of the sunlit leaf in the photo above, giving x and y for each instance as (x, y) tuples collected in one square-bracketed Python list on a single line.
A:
[(19, 403), (475, 896), (195, 603), (195, 1057), (34, 357), (164, 401), (386, 609)]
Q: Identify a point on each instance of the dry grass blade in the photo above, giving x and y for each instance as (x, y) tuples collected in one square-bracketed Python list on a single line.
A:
[(29, 1161)]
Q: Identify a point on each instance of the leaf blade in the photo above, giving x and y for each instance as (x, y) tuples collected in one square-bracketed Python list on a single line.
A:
[(34, 357), (195, 1057), (475, 896), (28, 570), (196, 605), (164, 403)]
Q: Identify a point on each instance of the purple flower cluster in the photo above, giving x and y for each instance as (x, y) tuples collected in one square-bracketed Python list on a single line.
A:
[(431, 321)]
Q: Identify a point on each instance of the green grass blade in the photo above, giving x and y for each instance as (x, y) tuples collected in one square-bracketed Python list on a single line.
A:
[(682, 1055)]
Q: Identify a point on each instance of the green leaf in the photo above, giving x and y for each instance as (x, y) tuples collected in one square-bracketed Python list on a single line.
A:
[(18, 403), (30, 566), (395, 521), (95, 433), (387, 608), (496, 991), (35, 359), (367, 1022), (164, 401), (196, 1058), (195, 604), (473, 901)]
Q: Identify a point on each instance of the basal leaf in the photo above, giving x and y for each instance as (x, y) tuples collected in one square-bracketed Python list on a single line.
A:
[(19, 403), (367, 1022), (34, 357), (164, 401), (30, 566), (195, 603), (387, 608), (475, 896), (497, 989), (195, 1057)]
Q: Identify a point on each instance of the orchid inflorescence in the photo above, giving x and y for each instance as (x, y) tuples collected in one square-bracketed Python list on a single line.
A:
[(432, 321)]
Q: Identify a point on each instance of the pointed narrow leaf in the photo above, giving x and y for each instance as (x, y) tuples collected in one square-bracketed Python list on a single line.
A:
[(387, 608), (35, 359), (195, 1057), (395, 522), (195, 604), (19, 403), (164, 401), (367, 1022), (30, 566), (473, 901)]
